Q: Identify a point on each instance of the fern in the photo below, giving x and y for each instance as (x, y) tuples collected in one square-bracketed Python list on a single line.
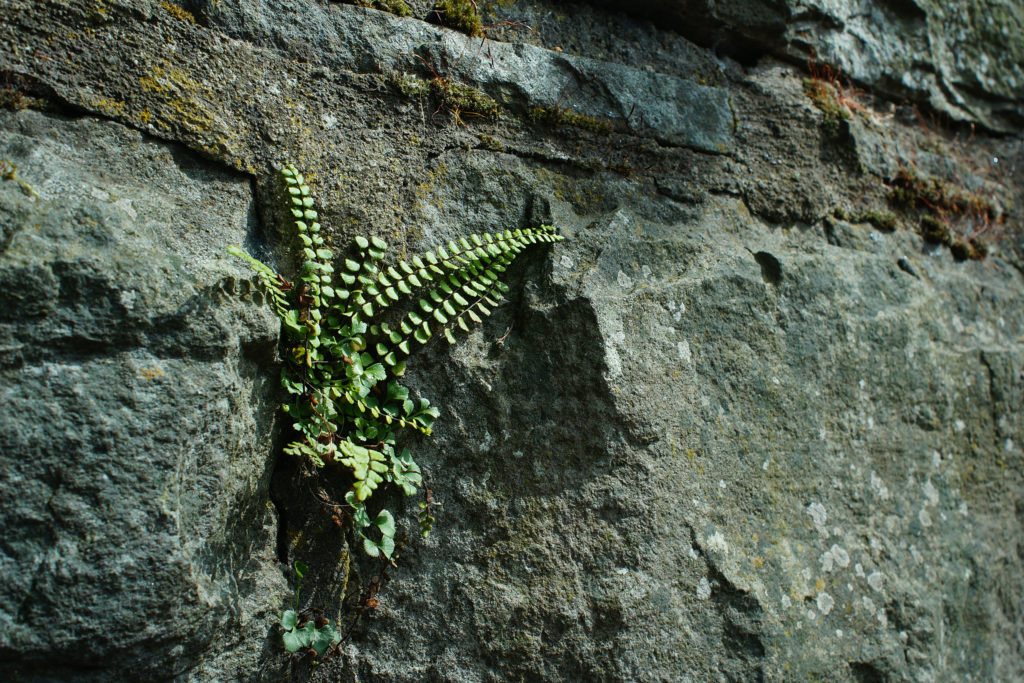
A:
[(341, 364)]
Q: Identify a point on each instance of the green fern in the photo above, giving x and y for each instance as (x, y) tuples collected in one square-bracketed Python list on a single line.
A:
[(341, 365)]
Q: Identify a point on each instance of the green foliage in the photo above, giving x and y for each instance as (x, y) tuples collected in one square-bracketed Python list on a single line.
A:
[(307, 629), (342, 361)]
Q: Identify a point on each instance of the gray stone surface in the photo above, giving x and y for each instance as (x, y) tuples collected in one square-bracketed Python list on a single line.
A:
[(964, 59), (135, 428), (730, 429)]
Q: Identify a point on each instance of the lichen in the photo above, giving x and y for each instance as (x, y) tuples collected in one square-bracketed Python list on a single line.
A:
[(177, 12)]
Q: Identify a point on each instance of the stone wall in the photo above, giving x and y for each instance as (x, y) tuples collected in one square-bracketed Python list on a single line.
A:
[(759, 416)]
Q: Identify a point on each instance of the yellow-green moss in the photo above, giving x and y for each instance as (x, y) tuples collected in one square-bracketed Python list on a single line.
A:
[(16, 100), (461, 99), (460, 15), (883, 220), (393, 6), (556, 116), (949, 215), (825, 98), (488, 142), (410, 86)]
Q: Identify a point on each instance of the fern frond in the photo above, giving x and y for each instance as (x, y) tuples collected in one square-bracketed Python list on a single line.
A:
[(337, 354)]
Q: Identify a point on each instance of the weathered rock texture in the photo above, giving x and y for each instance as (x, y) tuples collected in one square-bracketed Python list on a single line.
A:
[(760, 416)]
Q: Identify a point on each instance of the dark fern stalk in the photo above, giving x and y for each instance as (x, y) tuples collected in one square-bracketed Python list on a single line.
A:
[(341, 366)]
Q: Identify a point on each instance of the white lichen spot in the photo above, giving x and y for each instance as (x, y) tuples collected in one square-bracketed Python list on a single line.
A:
[(833, 557), (858, 569), (485, 443), (786, 602), (869, 604), (806, 573), (936, 459), (329, 121), (880, 489), (957, 324), (125, 205), (693, 553), (775, 380), (962, 509), (871, 422), (875, 580), (721, 484), (624, 280), (703, 588), (931, 494), (128, 298), (565, 261), (924, 518), (959, 426), (882, 619), (818, 514), (613, 361), (1008, 445), (684, 352), (825, 603), (716, 542), (646, 271)]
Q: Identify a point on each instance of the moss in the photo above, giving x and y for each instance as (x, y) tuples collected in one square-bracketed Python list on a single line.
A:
[(961, 250), (177, 12), (410, 86), (883, 220), (824, 97), (461, 99), (16, 100), (488, 142), (934, 230), (460, 15), (949, 215), (393, 6), (556, 116)]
